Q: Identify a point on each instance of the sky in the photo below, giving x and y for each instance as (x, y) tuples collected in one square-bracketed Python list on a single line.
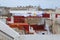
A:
[(41, 3)]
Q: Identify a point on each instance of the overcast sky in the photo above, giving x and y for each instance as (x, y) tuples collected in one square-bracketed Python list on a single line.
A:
[(41, 3)]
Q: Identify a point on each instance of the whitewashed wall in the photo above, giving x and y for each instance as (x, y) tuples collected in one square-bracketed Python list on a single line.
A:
[(40, 37)]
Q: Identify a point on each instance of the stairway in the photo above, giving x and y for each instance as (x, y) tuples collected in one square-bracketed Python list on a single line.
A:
[(7, 33)]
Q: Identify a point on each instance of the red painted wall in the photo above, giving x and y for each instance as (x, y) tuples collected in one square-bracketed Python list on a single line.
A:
[(38, 27), (19, 19), (8, 19), (46, 15), (57, 15)]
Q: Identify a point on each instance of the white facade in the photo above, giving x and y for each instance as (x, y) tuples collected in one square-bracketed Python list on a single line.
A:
[(25, 13), (4, 11)]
